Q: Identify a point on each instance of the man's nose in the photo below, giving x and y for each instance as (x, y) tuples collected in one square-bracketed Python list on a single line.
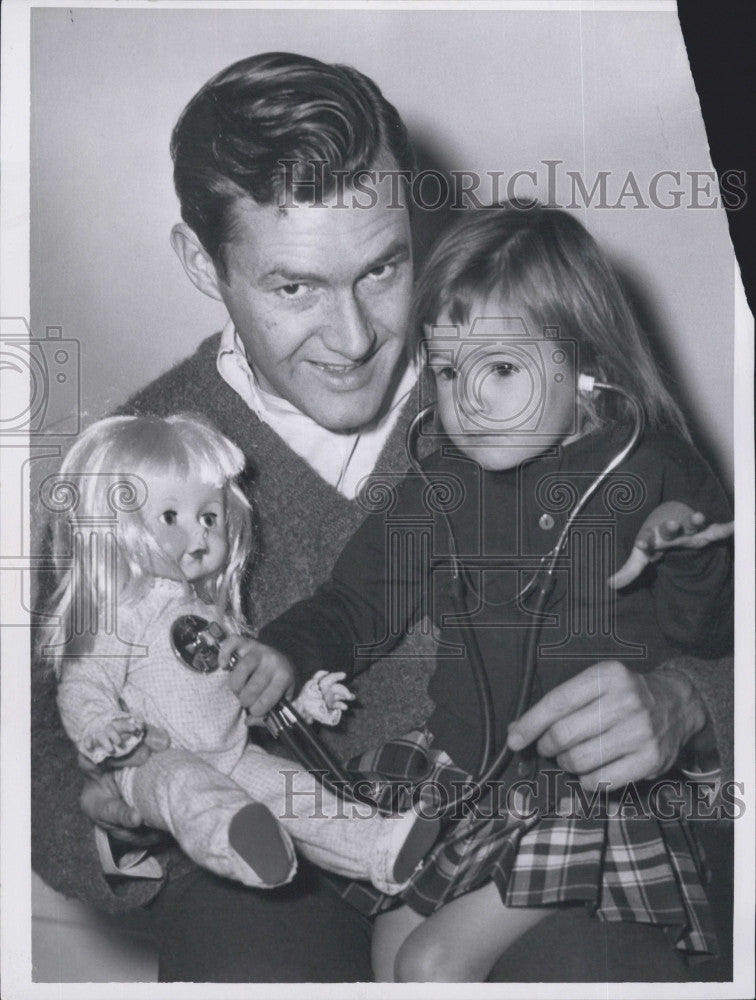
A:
[(350, 332)]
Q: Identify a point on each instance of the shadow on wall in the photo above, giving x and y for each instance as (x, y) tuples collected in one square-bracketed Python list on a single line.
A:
[(659, 337), (429, 223)]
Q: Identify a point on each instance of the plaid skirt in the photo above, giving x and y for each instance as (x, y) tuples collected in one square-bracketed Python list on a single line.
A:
[(639, 869)]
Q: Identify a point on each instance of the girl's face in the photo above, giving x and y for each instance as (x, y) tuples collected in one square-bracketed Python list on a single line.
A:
[(188, 520), (505, 393)]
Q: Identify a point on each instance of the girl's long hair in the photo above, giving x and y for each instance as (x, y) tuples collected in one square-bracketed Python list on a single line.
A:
[(102, 484), (543, 262)]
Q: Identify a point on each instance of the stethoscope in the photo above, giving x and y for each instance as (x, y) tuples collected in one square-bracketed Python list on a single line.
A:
[(196, 641)]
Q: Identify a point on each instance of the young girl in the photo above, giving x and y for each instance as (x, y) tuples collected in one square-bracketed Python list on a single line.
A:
[(181, 543), (516, 306)]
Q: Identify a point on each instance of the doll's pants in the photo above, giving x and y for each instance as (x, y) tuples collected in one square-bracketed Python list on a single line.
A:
[(179, 792)]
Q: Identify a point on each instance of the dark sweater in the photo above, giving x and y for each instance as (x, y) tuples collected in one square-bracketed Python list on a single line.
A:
[(397, 564), (303, 525)]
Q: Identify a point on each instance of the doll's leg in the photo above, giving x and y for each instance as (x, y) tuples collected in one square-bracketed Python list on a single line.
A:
[(214, 820), (354, 841), (461, 942)]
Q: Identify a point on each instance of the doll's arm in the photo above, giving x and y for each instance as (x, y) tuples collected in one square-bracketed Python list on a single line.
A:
[(323, 698), (670, 525), (93, 713)]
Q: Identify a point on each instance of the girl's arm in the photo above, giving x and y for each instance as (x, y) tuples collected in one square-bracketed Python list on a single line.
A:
[(358, 616)]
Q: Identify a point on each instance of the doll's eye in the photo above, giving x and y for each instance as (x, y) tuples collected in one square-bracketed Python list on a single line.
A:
[(448, 373), (169, 517), (209, 519)]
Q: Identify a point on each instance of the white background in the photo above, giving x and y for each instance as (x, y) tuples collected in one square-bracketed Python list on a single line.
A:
[(480, 90)]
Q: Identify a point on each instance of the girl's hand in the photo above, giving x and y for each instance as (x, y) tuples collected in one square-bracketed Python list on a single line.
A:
[(259, 675), (670, 525)]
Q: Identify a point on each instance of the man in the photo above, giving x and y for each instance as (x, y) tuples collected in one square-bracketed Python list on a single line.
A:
[(286, 170)]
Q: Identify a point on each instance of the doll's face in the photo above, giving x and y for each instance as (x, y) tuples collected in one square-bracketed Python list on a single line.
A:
[(188, 520)]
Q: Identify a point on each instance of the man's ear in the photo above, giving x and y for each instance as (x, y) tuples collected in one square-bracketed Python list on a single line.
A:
[(195, 260)]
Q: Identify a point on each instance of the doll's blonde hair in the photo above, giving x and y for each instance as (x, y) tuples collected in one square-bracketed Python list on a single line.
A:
[(103, 476)]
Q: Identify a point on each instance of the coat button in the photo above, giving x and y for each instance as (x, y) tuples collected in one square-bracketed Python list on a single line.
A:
[(523, 768), (546, 521)]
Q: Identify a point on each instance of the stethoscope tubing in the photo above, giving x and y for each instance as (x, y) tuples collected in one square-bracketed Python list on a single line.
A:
[(284, 720)]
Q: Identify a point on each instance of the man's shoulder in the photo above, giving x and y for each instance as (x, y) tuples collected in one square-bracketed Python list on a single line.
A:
[(185, 386)]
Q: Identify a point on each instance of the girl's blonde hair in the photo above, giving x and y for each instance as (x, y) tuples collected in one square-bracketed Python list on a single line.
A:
[(543, 261), (103, 477)]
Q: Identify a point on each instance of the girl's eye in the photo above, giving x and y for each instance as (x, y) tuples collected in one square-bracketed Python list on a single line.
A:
[(504, 368), (169, 517), (209, 520), (447, 374)]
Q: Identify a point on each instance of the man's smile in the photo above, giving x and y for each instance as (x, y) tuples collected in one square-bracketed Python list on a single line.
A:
[(337, 368)]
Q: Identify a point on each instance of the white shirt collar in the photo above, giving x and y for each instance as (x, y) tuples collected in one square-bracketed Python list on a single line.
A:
[(343, 460)]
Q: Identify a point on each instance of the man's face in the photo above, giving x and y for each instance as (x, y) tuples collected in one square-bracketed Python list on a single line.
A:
[(320, 299)]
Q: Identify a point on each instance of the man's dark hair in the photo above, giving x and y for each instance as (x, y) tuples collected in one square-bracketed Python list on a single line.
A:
[(234, 134)]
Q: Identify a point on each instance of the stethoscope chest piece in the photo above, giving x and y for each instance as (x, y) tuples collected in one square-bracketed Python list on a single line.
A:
[(196, 642)]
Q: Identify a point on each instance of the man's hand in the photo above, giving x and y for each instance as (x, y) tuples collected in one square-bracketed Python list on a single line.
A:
[(101, 800), (260, 675), (670, 525), (612, 725)]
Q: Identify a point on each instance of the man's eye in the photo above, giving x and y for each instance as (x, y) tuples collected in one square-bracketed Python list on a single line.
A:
[(381, 272), (504, 368), (169, 517), (209, 520), (294, 290), (448, 373)]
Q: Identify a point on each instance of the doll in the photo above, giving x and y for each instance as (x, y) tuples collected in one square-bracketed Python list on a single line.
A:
[(183, 540)]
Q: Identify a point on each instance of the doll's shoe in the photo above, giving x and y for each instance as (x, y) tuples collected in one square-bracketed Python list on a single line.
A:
[(413, 836), (256, 837)]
